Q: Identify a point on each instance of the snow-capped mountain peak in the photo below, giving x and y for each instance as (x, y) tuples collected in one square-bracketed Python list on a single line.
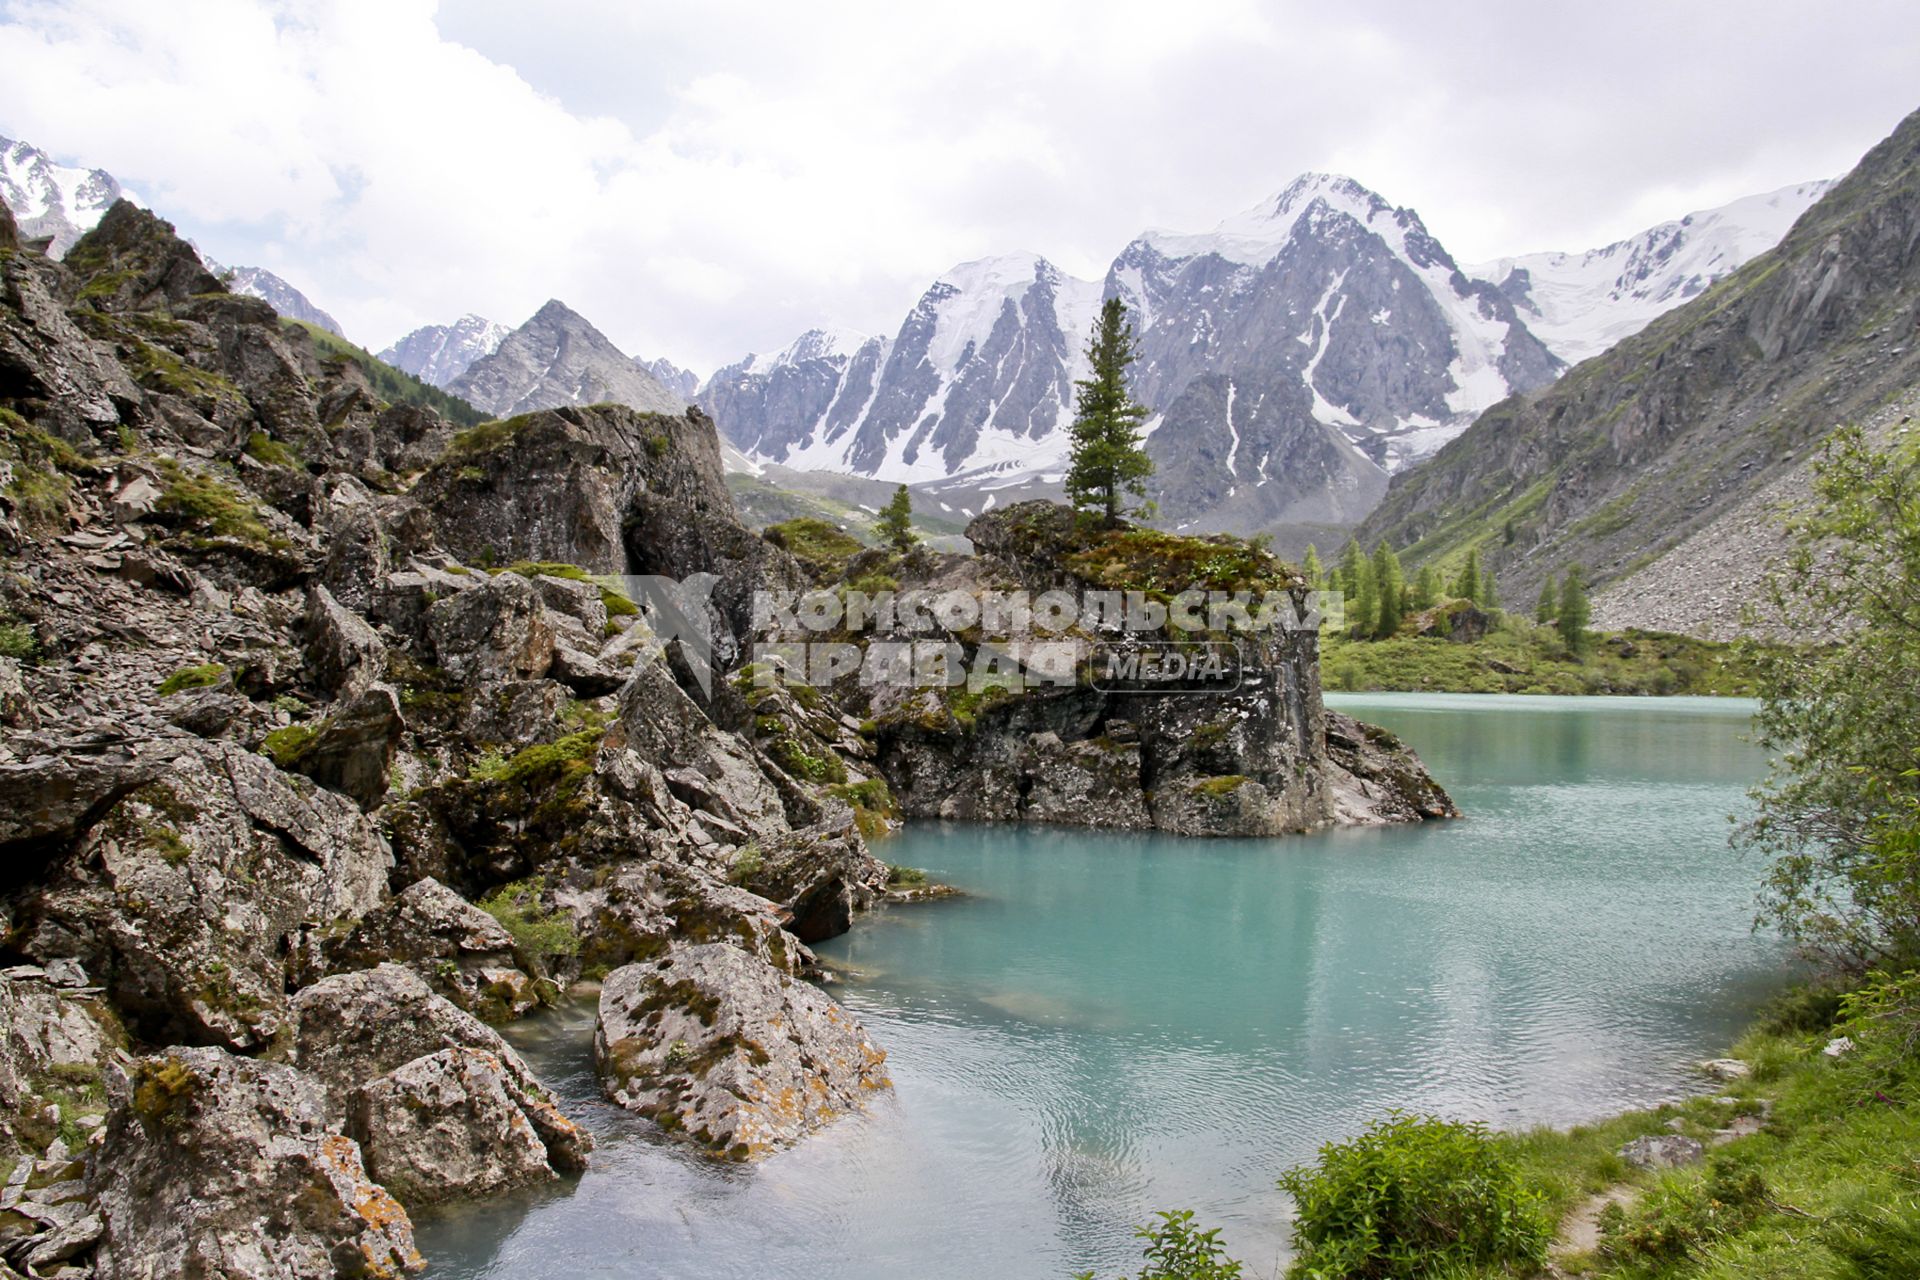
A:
[(48, 199), (440, 353), (1580, 304), (814, 344)]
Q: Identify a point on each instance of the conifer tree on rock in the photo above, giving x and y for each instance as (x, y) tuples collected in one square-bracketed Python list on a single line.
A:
[(895, 525), (1108, 464)]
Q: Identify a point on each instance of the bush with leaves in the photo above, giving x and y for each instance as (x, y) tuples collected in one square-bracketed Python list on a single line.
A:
[(1176, 1249), (1839, 813), (1413, 1196)]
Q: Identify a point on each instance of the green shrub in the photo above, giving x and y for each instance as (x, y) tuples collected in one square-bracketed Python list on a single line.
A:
[(905, 877), (1882, 1019), (264, 448), (746, 864), (1682, 1214), (540, 933), (1413, 1196), (1178, 1250), (17, 641)]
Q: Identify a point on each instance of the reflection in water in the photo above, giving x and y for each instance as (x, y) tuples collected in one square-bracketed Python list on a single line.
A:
[(1112, 1024)]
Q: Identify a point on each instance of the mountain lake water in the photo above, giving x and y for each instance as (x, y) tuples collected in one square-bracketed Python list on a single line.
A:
[(1111, 1024)]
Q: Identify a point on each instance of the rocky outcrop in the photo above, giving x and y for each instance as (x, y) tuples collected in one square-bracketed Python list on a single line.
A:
[(187, 900), (821, 876), (643, 911), (1251, 752), (730, 1053), (1378, 779), (203, 1149)]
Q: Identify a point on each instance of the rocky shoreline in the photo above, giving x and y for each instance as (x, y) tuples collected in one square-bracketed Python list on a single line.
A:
[(330, 739)]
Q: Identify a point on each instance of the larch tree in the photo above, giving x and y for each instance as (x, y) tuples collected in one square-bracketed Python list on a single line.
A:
[(1575, 610), (1390, 585), (1108, 464)]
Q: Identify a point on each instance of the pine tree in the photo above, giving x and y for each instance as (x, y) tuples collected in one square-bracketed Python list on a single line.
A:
[(1312, 570), (895, 525), (1363, 604), (1108, 464), (1467, 585), (1549, 606), (1426, 588), (1489, 597), (1575, 610), (1391, 585)]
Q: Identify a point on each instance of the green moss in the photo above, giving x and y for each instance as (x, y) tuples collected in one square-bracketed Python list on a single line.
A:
[(161, 1089), (43, 466), (158, 369), (17, 641), (658, 445), (791, 755), (822, 548), (285, 746), (485, 437), (264, 448), (747, 864), (1153, 561), (1224, 785), (185, 678), (211, 506), (544, 762)]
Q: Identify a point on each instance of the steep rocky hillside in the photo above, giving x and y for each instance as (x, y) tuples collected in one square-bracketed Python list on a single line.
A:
[(1637, 450)]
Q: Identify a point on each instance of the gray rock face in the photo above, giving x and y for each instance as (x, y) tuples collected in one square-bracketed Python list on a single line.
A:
[(1377, 779), (558, 359), (681, 382), (187, 899), (821, 876), (556, 487), (343, 653), (440, 353), (353, 1030), (642, 911), (722, 1048), (203, 1148), (495, 631)]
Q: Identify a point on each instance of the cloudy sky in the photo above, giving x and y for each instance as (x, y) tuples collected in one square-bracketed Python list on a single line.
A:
[(707, 179)]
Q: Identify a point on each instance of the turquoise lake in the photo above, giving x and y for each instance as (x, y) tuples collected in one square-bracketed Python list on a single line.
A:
[(1107, 1025)]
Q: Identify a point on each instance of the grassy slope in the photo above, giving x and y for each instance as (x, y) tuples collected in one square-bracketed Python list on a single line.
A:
[(1835, 1145), (1520, 657)]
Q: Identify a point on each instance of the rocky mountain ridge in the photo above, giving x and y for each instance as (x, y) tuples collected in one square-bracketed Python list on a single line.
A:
[(557, 359), (1676, 428)]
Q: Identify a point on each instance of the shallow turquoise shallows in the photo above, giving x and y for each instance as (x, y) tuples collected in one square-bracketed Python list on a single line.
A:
[(1113, 1024)]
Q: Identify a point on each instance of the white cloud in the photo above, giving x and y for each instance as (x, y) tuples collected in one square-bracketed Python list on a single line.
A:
[(705, 180)]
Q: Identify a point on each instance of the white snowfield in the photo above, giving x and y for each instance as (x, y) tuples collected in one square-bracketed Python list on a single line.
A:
[(1580, 304)]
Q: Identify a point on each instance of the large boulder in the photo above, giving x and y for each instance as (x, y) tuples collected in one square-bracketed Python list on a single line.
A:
[(344, 655), (720, 1047), (353, 1028), (352, 750), (451, 1125), (1377, 778), (459, 950), (214, 1165), (51, 798), (641, 911), (711, 770)]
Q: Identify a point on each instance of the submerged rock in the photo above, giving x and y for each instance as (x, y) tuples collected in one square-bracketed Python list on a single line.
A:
[(214, 1165), (722, 1048)]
